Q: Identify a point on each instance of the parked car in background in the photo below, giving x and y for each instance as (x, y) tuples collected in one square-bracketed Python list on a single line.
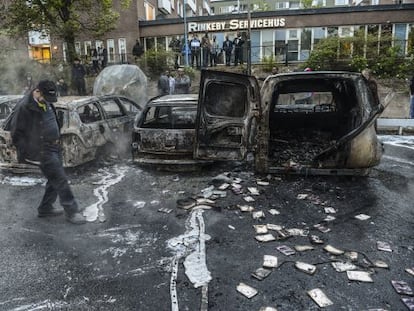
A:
[(164, 133), (302, 122), (7, 103), (91, 126)]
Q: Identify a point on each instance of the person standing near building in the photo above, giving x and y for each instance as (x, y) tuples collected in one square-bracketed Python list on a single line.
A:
[(176, 47), (182, 82), (238, 49), (78, 77), (171, 82), (35, 132), (214, 49), (205, 49), (62, 87), (412, 98), (195, 51), (227, 48), (164, 84), (137, 50)]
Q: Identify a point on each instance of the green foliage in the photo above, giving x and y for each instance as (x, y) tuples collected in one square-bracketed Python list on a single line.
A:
[(157, 60), (268, 62), (358, 63), (62, 19), (324, 55)]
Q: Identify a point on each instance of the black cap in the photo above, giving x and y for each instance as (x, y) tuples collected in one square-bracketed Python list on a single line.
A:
[(48, 90)]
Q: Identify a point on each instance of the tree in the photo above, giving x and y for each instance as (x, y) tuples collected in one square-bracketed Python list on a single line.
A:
[(63, 19)]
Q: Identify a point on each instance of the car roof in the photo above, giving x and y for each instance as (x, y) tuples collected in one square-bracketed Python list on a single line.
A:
[(72, 102), (174, 100), (7, 98)]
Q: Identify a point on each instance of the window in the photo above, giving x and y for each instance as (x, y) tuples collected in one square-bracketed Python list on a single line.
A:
[(110, 43), (87, 48), (78, 48), (89, 113), (267, 43), (282, 5), (112, 109), (232, 98), (341, 2), (122, 50), (149, 11), (130, 108)]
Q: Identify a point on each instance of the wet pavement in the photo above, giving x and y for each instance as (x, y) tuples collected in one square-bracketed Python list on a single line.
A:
[(142, 252)]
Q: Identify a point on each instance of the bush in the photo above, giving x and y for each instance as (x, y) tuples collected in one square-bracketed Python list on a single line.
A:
[(268, 62), (157, 61)]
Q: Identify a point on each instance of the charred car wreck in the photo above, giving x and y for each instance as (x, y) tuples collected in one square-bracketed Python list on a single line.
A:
[(305, 123), (90, 126)]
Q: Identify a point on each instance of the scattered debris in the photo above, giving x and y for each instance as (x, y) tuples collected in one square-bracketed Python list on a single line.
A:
[(205, 201), (246, 290), (224, 186), (360, 276), (219, 193), (274, 227), (186, 203), (245, 208), (283, 234), (253, 190), (305, 267), (329, 218), (402, 288), (265, 238), (267, 309), (285, 250), (231, 227), (353, 256), (380, 264), (248, 199), (383, 246), (258, 215), (410, 271), (201, 206), (332, 250), (362, 217), (165, 210), (260, 229), (261, 273), (409, 302), (270, 261), (303, 248), (341, 266), (302, 196), (322, 228), (315, 239), (320, 298), (298, 232), (330, 210), (273, 212), (262, 183)]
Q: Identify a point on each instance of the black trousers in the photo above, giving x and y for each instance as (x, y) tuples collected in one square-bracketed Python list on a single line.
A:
[(57, 182)]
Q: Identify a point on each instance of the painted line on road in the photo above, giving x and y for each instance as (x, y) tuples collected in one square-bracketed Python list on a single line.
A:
[(397, 159), (95, 211)]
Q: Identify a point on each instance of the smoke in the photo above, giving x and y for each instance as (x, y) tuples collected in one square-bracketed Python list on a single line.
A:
[(16, 67)]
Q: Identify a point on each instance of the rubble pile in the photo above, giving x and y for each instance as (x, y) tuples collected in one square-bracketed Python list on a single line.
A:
[(299, 146)]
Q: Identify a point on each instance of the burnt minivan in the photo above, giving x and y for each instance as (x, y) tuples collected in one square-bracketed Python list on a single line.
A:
[(302, 122)]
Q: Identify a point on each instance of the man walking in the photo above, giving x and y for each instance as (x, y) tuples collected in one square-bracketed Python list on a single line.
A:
[(35, 133), (78, 77)]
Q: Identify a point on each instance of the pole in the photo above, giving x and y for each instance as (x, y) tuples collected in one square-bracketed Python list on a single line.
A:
[(186, 47), (249, 43)]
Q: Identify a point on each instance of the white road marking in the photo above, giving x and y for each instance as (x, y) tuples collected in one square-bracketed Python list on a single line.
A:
[(22, 181)]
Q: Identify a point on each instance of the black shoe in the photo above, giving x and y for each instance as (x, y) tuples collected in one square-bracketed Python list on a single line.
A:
[(49, 212), (76, 218)]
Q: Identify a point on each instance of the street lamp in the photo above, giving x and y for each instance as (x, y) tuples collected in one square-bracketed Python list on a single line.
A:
[(249, 42), (185, 34)]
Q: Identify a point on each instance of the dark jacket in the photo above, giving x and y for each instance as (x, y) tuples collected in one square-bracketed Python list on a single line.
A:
[(412, 86), (33, 128), (78, 72)]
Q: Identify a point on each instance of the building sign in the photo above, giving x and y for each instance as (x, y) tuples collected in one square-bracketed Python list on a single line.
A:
[(237, 24)]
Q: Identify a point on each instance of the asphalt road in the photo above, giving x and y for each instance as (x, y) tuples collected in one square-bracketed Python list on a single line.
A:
[(141, 252)]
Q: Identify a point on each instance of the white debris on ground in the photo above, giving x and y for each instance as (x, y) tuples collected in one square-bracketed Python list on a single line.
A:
[(342, 261)]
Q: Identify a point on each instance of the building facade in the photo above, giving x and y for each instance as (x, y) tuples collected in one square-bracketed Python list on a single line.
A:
[(290, 35)]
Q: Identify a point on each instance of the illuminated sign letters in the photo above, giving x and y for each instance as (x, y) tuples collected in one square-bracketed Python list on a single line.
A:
[(236, 24)]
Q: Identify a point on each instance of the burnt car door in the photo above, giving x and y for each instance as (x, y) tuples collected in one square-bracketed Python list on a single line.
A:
[(119, 118), (227, 116)]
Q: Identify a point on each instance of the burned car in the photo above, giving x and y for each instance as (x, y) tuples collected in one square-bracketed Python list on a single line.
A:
[(303, 122), (164, 132), (90, 126), (7, 103)]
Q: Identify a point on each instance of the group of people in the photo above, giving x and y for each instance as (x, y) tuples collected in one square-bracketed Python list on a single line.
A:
[(168, 84), (99, 57), (206, 52)]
